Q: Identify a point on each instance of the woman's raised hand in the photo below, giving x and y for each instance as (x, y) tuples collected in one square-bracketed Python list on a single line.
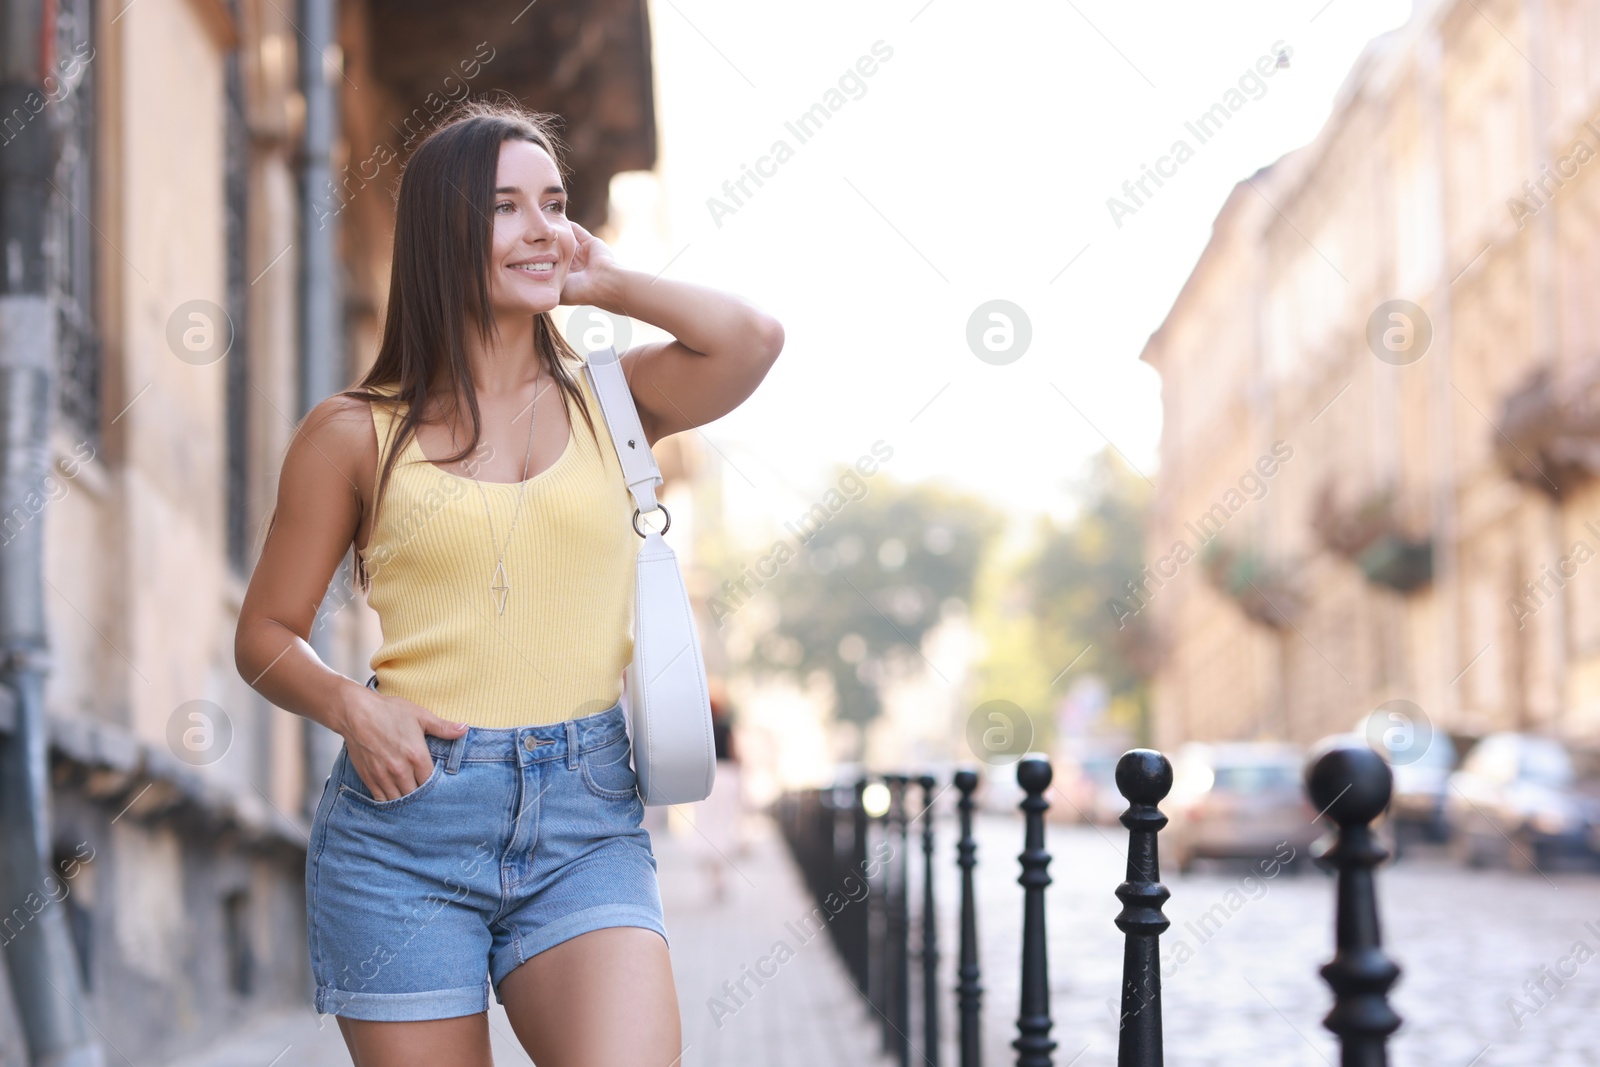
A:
[(592, 259)]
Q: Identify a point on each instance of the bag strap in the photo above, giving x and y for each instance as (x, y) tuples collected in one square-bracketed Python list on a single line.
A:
[(610, 387)]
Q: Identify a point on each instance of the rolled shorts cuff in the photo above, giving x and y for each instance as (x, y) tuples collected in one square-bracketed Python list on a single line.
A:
[(403, 1007), (569, 926)]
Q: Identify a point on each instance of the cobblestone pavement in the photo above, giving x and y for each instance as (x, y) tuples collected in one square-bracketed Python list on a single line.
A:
[(806, 1013), (1246, 985), (1240, 963)]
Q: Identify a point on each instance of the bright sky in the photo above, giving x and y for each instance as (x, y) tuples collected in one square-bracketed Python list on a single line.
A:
[(976, 166)]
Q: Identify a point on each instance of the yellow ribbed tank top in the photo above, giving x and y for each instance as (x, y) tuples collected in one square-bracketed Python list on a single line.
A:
[(566, 637)]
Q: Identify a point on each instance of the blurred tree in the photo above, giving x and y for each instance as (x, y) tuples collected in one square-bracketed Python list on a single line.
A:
[(1011, 665), (1074, 591), (868, 581)]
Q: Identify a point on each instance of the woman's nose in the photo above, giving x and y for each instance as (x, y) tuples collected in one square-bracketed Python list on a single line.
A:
[(538, 227)]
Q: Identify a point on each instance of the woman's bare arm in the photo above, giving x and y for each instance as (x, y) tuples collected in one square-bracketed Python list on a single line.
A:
[(723, 345), (319, 510)]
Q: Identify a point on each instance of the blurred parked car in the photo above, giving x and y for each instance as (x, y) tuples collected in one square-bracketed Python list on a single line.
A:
[(1239, 800), (1086, 783), (1516, 799), (1421, 766), (998, 790)]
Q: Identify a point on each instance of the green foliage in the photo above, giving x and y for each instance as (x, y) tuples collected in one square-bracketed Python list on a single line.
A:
[(1263, 590), (1012, 667), (1078, 595), (869, 582)]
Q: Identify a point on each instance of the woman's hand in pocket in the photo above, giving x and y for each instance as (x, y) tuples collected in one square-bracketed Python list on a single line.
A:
[(386, 738)]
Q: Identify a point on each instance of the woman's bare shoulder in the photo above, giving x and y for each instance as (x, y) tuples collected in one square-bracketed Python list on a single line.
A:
[(340, 430), (339, 417)]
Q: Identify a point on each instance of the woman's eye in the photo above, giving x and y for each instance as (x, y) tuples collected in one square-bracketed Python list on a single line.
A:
[(561, 209), (504, 203)]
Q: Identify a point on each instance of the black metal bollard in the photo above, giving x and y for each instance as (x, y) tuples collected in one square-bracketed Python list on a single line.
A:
[(1143, 777), (878, 922), (897, 950), (902, 907), (1351, 784), (838, 809), (930, 935), (817, 820), (886, 976), (1033, 1043), (969, 994), (828, 832), (857, 925)]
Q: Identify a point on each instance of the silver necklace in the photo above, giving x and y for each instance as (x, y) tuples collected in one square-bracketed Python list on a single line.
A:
[(499, 583)]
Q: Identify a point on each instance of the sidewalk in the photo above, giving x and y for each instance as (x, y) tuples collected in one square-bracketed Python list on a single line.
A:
[(805, 1013)]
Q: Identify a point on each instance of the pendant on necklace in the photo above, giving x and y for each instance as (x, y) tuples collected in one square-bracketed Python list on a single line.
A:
[(500, 588)]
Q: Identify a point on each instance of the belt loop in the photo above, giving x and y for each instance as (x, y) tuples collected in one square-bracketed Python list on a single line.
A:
[(458, 748), (572, 744)]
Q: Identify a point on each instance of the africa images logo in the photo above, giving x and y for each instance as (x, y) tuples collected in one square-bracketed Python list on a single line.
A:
[(804, 127)]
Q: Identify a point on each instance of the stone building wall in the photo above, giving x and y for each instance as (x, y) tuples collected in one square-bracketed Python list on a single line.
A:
[(180, 799), (1427, 186)]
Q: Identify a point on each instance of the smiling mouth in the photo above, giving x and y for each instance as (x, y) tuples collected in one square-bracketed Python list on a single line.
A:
[(538, 270)]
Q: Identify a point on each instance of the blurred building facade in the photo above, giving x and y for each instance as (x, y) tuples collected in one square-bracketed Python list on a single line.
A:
[(214, 181), (1380, 443)]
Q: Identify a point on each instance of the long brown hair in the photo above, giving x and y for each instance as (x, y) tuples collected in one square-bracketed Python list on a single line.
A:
[(439, 274)]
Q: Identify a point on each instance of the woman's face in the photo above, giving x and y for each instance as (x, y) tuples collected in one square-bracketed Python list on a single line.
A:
[(533, 243)]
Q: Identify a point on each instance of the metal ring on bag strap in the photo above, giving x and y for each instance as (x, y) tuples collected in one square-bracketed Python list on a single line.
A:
[(664, 527)]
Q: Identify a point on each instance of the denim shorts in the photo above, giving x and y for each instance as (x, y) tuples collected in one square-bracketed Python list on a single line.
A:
[(519, 839)]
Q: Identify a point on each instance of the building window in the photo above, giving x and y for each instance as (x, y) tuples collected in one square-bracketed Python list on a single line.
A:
[(71, 231), (236, 183), (1417, 222)]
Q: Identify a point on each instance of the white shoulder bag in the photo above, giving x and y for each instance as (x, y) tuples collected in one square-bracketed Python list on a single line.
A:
[(665, 696)]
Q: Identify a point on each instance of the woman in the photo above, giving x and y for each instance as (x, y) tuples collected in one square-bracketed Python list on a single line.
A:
[(481, 829)]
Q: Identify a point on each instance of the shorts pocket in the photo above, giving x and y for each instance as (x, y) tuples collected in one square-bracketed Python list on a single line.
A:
[(352, 786), (607, 770)]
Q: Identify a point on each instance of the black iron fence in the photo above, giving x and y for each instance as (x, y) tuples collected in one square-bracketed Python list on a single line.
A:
[(830, 832)]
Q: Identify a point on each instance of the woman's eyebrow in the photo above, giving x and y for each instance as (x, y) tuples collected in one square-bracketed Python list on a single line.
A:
[(517, 189)]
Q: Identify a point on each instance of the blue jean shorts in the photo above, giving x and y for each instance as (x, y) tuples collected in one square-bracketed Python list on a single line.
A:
[(519, 839)]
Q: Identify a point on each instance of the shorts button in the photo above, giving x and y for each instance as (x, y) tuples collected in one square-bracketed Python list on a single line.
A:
[(529, 743)]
